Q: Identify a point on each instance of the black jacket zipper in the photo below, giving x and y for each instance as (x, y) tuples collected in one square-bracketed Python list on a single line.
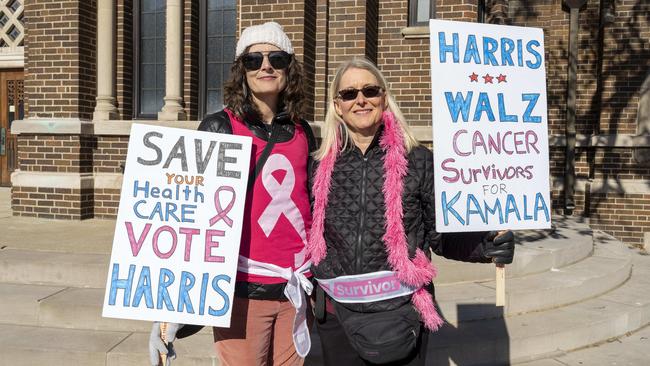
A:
[(362, 216)]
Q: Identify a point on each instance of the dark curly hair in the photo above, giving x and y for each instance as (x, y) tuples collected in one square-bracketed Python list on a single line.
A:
[(292, 98)]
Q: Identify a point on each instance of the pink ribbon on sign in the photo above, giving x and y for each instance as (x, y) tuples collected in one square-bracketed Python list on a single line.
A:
[(222, 214)]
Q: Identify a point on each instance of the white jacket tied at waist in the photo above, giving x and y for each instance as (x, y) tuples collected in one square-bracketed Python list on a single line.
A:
[(296, 283)]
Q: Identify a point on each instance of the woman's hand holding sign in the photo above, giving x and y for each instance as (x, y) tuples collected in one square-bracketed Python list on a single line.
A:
[(160, 345), (500, 246)]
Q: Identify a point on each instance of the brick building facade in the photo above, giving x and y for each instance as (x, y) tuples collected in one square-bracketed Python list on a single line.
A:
[(83, 63)]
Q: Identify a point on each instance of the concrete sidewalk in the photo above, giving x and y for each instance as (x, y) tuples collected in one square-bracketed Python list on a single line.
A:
[(88, 236), (632, 350)]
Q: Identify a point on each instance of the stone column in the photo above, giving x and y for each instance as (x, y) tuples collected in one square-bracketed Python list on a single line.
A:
[(105, 108), (173, 110)]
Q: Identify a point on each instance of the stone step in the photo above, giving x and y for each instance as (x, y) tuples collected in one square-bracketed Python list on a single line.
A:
[(608, 267), (28, 346), (53, 268), (487, 342), (536, 251), (536, 335), (630, 349), (81, 308), (20, 303), (197, 350), (66, 305), (61, 307)]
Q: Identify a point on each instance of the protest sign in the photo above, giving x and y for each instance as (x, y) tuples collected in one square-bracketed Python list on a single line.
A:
[(490, 132), (178, 229)]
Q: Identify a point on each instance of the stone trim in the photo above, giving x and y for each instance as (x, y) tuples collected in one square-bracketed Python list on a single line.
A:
[(71, 126), (415, 32), (53, 126), (123, 128), (614, 140), (66, 180), (52, 180), (560, 140), (621, 140), (606, 186), (108, 181), (13, 58)]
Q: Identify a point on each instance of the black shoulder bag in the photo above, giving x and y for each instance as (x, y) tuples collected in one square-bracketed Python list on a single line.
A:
[(381, 337)]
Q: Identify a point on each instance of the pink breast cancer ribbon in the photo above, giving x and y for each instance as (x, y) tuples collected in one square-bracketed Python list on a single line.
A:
[(222, 214), (281, 202)]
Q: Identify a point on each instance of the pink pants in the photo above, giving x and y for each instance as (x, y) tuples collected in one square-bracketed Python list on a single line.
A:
[(260, 334)]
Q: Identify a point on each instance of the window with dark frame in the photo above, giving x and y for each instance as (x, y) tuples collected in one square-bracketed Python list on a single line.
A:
[(149, 58), (420, 11), (218, 39), (481, 12)]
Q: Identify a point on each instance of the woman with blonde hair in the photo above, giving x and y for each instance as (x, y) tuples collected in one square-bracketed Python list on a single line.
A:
[(373, 228)]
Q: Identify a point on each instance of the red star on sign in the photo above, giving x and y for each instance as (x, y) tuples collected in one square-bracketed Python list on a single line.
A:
[(502, 78), (473, 77), (488, 78)]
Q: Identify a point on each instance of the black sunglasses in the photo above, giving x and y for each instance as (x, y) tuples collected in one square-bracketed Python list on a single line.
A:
[(278, 59), (368, 91)]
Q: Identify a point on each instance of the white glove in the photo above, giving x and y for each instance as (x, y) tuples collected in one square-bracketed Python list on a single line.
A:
[(156, 345)]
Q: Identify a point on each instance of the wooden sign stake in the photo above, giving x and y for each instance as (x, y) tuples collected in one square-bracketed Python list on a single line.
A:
[(163, 334), (501, 285)]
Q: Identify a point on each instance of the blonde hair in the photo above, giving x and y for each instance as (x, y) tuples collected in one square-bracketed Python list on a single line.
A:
[(333, 121)]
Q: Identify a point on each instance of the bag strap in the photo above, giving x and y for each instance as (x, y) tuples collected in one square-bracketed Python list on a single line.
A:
[(311, 140), (264, 156), (319, 305)]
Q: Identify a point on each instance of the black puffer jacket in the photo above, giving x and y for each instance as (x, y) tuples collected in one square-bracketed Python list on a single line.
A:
[(354, 218)]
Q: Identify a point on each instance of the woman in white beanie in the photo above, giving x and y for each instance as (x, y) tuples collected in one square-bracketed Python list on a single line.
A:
[(265, 100)]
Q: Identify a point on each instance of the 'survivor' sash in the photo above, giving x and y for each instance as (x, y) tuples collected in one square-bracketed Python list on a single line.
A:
[(364, 288)]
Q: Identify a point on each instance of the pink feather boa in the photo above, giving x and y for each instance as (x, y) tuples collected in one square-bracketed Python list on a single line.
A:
[(416, 272)]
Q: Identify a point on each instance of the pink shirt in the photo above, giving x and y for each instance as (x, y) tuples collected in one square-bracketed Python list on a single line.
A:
[(277, 214)]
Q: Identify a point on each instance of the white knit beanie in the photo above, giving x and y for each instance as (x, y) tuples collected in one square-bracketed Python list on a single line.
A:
[(270, 32)]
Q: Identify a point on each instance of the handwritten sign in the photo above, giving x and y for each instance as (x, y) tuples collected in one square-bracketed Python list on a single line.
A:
[(490, 134), (178, 228)]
